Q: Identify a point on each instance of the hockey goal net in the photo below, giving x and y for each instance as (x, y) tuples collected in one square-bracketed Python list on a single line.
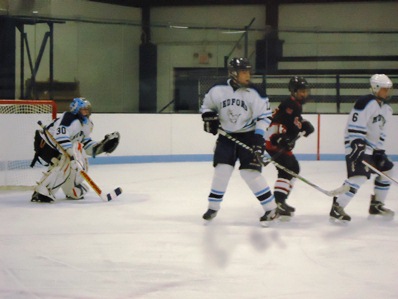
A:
[(18, 123)]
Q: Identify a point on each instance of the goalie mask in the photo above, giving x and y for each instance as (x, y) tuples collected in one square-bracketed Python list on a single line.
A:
[(82, 108), (87, 105)]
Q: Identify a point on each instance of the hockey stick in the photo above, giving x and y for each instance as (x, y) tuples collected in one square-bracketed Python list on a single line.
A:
[(105, 197), (379, 172), (264, 159)]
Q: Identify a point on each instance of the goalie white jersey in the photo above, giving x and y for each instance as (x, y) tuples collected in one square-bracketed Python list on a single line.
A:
[(367, 122), (240, 110), (69, 129)]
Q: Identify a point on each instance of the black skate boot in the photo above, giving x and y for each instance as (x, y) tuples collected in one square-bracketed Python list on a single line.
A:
[(268, 217), (284, 210), (210, 214), (37, 197), (337, 214), (377, 208)]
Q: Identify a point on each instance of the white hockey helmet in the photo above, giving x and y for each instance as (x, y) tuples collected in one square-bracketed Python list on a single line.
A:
[(378, 81)]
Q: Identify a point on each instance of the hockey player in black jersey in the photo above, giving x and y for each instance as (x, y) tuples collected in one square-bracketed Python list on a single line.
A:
[(364, 141), (286, 127)]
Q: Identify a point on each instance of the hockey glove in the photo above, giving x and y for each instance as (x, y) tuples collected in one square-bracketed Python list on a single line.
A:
[(381, 160), (258, 146), (307, 127), (107, 145), (358, 150), (211, 122), (282, 141)]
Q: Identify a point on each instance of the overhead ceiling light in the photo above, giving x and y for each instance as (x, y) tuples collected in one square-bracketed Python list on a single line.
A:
[(234, 32), (178, 27)]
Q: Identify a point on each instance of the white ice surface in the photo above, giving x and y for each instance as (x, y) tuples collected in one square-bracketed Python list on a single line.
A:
[(152, 243)]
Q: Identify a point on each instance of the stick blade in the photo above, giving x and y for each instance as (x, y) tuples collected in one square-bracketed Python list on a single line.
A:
[(115, 193), (340, 190)]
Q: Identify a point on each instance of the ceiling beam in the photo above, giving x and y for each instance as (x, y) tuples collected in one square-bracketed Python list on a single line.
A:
[(170, 3)]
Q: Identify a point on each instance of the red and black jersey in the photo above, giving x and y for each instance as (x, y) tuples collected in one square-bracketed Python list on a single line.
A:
[(288, 114), (286, 120)]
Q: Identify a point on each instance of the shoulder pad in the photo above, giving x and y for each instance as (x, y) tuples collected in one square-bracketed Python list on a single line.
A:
[(387, 106), (290, 105), (221, 83), (258, 90), (362, 102), (68, 118)]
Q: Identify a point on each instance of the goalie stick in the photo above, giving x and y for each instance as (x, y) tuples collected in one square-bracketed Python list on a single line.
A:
[(379, 172), (264, 161), (105, 197)]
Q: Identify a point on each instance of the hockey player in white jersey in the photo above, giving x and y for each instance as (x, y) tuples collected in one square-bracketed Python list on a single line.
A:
[(364, 140), (243, 111), (72, 132)]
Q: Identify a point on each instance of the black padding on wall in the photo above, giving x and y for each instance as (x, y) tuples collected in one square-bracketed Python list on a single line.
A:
[(268, 52), (7, 58), (147, 77)]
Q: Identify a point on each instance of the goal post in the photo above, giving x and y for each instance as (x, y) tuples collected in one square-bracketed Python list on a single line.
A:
[(18, 123)]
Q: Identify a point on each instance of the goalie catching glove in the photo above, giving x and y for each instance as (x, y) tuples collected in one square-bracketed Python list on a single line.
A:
[(107, 145)]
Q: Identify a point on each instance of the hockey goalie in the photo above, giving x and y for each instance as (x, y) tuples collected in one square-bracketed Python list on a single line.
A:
[(63, 146)]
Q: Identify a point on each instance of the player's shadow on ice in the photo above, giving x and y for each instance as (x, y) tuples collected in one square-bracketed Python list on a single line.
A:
[(221, 242)]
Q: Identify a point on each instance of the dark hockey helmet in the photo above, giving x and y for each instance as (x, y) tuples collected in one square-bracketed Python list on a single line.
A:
[(236, 65), (297, 83)]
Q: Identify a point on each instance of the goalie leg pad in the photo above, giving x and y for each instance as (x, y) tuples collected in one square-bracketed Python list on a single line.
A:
[(77, 192), (74, 187), (54, 178)]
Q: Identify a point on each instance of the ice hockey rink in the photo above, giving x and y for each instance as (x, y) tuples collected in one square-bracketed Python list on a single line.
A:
[(152, 243)]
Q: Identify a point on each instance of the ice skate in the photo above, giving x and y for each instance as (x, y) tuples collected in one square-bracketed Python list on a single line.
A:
[(377, 208), (284, 210), (73, 198), (268, 217), (37, 197), (337, 214), (210, 214)]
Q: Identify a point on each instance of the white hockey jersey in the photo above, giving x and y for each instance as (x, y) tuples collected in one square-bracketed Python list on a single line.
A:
[(69, 129), (367, 122), (239, 110)]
